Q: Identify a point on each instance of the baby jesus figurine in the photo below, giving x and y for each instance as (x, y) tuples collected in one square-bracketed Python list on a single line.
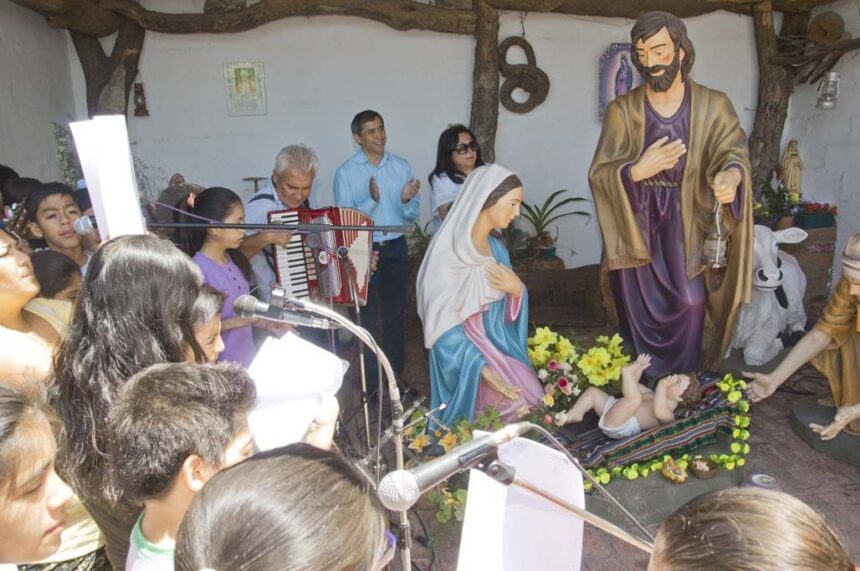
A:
[(639, 408)]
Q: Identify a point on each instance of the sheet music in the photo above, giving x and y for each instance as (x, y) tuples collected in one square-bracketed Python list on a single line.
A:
[(292, 377), (105, 155), (507, 528)]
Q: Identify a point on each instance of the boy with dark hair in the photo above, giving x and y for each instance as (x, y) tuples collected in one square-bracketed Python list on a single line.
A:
[(51, 212), (175, 426)]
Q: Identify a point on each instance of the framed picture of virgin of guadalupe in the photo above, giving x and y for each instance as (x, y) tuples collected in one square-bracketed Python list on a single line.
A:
[(617, 75)]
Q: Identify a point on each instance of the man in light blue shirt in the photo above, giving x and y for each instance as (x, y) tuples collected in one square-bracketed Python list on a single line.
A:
[(381, 184)]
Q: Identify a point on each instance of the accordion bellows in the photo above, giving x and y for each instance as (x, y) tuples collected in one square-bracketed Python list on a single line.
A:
[(342, 256)]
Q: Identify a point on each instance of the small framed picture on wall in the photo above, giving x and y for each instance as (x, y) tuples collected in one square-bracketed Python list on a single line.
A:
[(246, 88), (617, 75)]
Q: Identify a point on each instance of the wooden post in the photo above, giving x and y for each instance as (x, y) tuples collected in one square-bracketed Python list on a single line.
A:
[(775, 84), (109, 77), (485, 79)]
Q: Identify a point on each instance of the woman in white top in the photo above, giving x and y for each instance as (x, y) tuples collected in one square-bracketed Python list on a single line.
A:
[(457, 156)]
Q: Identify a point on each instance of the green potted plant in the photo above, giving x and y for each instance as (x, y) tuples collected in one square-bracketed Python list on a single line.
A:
[(540, 217), (776, 204)]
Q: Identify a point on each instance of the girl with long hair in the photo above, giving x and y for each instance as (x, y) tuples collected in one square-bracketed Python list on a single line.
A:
[(136, 309), (457, 155), (224, 267)]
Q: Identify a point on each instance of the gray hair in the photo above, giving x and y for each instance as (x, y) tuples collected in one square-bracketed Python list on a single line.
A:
[(297, 157)]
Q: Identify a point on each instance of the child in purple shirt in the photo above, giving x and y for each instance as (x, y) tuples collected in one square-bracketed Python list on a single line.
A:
[(223, 266)]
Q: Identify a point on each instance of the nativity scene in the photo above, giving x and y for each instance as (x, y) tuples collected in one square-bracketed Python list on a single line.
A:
[(598, 286)]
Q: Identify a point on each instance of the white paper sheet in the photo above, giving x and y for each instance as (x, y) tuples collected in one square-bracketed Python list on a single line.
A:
[(507, 528), (105, 155), (292, 378)]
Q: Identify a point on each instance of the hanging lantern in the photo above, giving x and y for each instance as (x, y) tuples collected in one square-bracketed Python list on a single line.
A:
[(716, 241), (828, 91), (139, 99)]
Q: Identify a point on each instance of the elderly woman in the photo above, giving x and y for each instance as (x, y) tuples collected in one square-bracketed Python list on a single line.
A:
[(474, 307)]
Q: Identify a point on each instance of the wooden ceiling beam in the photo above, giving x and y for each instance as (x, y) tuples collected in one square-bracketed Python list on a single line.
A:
[(100, 18)]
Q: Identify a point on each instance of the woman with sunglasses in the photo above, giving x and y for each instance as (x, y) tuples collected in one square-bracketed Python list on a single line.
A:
[(457, 155), (292, 508)]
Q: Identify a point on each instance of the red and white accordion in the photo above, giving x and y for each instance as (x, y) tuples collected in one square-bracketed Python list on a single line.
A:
[(327, 279)]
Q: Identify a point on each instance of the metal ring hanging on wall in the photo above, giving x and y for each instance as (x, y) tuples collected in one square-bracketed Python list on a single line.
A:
[(526, 76)]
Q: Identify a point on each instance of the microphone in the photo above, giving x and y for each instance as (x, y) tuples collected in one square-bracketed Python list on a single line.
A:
[(249, 307), (400, 489), (85, 225)]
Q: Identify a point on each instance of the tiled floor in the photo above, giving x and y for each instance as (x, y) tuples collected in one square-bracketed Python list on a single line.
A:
[(829, 486)]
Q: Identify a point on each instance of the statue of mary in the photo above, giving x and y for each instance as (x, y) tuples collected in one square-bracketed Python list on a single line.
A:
[(473, 306)]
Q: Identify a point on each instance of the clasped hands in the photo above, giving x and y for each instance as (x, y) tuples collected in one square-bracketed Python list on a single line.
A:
[(663, 155), (504, 279), (409, 190)]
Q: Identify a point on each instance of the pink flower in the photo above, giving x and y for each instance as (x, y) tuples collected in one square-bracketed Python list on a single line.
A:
[(549, 388), (564, 386), (547, 419), (553, 365)]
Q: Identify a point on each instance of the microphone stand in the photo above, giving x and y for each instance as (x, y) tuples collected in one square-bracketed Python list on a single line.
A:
[(507, 475), (404, 532), (343, 256), (304, 228)]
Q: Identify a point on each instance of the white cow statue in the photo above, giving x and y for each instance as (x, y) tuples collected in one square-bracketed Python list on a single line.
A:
[(776, 307)]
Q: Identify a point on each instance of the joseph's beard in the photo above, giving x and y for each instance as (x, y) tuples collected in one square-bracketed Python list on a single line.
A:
[(663, 81)]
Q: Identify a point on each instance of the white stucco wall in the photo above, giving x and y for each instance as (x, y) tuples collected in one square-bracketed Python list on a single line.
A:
[(829, 140), (35, 91), (320, 71)]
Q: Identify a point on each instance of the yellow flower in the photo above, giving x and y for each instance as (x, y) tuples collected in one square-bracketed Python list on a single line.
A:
[(539, 356), (794, 197), (615, 345), (603, 340), (420, 443), (449, 442), (613, 374), (549, 400), (545, 336), (565, 350), (602, 355), (588, 363), (598, 378)]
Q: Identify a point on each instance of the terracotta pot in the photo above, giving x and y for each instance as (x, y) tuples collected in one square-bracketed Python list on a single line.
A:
[(785, 222)]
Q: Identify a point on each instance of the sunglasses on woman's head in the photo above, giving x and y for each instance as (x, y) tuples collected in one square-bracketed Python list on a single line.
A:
[(463, 148)]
